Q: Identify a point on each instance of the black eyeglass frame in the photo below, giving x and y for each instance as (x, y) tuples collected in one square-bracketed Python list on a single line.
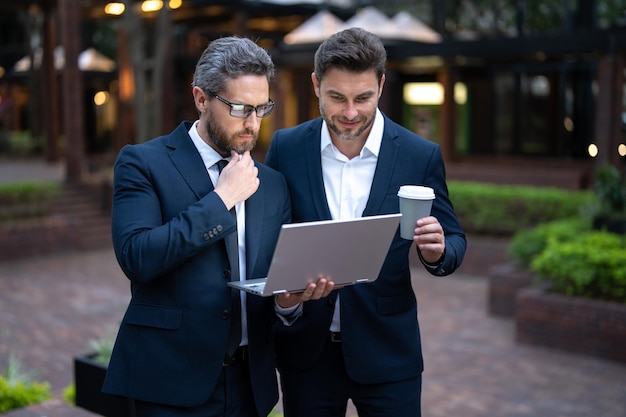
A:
[(262, 110)]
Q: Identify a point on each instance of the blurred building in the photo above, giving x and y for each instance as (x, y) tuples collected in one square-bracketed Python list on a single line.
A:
[(553, 97)]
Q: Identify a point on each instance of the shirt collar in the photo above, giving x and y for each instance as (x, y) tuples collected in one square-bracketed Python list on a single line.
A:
[(208, 154), (372, 143)]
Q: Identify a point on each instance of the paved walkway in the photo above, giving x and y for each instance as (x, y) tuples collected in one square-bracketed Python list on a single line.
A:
[(13, 170), (50, 307)]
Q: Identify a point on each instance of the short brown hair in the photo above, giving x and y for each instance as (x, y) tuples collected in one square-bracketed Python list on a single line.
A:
[(353, 49)]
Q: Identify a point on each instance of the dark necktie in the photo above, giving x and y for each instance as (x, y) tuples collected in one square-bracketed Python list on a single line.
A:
[(232, 247)]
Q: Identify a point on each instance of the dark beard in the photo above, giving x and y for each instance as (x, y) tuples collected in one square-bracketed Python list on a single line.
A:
[(223, 144)]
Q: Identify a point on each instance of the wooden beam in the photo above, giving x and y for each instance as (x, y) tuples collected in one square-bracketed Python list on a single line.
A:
[(608, 131), (73, 118), (50, 90)]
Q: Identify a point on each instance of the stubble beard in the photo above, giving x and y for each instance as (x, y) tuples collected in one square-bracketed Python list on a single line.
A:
[(347, 135)]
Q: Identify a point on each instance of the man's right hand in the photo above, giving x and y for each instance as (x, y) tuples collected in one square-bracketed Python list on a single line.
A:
[(238, 180)]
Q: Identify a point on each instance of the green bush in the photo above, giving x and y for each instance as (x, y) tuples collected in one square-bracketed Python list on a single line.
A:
[(18, 389), (27, 199), (506, 209), (610, 193), (591, 265), (20, 143), (69, 394), (527, 244)]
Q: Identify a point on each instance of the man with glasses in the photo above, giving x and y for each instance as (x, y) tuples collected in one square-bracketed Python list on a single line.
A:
[(191, 211)]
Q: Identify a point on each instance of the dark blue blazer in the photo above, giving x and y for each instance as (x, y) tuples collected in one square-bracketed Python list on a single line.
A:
[(168, 234), (380, 332)]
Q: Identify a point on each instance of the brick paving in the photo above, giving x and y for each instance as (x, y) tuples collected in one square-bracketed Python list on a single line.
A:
[(50, 307)]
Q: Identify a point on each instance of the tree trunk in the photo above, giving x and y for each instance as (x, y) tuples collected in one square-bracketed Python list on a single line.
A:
[(149, 61)]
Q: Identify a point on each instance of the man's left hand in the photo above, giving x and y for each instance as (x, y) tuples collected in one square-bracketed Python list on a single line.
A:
[(313, 291), (430, 239)]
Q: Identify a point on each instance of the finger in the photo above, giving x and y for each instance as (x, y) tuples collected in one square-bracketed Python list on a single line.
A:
[(236, 156), (427, 220), (323, 290), (328, 288), (309, 291), (317, 292)]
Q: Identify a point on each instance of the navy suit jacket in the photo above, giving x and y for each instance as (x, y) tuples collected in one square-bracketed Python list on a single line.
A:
[(380, 332), (168, 233)]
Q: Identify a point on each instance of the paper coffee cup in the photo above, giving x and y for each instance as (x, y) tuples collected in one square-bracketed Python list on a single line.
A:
[(415, 203)]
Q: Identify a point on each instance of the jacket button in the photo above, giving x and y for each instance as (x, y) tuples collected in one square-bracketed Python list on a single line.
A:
[(206, 236), (226, 274), (219, 228), (225, 314)]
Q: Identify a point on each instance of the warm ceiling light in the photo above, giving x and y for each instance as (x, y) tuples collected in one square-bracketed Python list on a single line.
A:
[(114, 9), (423, 93), (175, 4), (432, 93), (101, 98), (151, 6)]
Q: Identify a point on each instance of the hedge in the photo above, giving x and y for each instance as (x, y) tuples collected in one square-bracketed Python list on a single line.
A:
[(491, 209)]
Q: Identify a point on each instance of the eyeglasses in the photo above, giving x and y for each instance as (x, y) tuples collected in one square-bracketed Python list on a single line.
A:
[(243, 111)]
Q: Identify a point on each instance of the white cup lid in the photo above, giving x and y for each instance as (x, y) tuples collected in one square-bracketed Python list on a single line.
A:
[(417, 192)]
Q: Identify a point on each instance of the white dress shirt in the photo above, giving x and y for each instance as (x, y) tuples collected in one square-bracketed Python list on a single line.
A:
[(210, 157), (348, 181)]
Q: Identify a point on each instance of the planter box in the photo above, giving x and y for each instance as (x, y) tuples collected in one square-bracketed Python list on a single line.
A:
[(573, 324), (505, 280), (88, 379)]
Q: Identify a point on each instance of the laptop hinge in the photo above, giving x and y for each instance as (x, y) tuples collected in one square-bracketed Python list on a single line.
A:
[(279, 292), (362, 280)]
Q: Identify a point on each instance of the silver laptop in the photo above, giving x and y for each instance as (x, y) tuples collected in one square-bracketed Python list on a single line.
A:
[(349, 251)]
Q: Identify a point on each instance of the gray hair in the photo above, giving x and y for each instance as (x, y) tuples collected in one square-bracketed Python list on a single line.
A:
[(354, 50), (228, 58)]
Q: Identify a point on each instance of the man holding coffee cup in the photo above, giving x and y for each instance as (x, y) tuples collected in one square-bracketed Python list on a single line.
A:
[(362, 342)]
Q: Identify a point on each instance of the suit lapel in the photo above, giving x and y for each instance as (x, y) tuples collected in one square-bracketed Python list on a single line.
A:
[(188, 161), (382, 175), (314, 171)]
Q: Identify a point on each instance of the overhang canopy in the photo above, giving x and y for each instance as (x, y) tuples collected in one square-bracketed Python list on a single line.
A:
[(315, 29), (403, 26)]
